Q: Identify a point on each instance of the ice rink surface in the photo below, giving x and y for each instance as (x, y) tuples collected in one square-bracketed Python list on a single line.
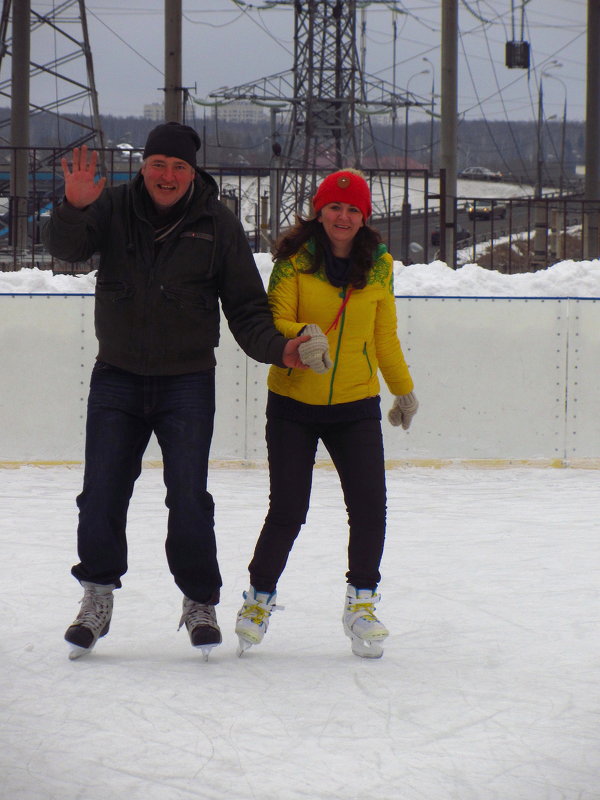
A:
[(488, 688)]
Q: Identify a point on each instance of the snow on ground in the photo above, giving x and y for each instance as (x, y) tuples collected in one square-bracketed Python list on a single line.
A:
[(487, 689)]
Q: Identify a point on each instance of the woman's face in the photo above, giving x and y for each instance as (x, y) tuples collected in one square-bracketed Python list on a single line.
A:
[(341, 222)]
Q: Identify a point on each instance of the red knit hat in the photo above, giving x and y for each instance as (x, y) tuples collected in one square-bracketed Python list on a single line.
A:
[(344, 186)]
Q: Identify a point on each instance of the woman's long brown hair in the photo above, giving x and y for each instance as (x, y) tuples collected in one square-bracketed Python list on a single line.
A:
[(363, 249)]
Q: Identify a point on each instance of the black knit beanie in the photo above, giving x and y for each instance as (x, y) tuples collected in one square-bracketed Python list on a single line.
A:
[(173, 140)]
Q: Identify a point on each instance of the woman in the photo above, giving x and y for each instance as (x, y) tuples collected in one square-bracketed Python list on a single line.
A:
[(332, 279)]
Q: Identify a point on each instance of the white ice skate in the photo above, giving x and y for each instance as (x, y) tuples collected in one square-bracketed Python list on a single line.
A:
[(253, 618), (361, 625)]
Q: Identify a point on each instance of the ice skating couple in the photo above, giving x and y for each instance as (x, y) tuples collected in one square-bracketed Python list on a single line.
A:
[(169, 252)]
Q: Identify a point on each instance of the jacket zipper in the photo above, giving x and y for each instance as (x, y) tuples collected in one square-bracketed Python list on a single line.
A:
[(341, 321)]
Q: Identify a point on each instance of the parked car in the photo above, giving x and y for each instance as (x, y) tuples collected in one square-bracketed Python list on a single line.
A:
[(462, 236), (480, 174), (486, 209), (130, 153)]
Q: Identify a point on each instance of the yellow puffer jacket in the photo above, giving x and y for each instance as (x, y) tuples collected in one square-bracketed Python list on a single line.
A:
[(364, 340)]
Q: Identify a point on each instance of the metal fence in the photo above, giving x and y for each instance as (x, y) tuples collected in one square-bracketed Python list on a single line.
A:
[(514, 234)]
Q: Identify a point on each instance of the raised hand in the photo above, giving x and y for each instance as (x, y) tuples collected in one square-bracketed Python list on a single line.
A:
[(81, 186)]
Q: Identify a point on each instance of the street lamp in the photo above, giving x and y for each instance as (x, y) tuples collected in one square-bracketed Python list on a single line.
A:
[(563, 130), (540, 242), (540, 125), (406, 107), (405, 202), (431, 125)]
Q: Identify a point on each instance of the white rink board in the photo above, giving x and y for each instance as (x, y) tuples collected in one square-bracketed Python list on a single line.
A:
[(489, 375), (45, 361), (229, 439), (497, 379), (583, 398)]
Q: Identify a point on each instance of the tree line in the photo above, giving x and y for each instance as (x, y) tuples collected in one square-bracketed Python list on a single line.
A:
[(512, 148)]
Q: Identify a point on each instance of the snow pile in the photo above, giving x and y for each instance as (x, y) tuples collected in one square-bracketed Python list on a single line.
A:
[(565, 279), (42, 281)]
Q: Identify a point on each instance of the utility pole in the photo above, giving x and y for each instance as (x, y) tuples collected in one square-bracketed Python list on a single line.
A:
[(19, 127), (592, 129), (173, 81), (449, 124)]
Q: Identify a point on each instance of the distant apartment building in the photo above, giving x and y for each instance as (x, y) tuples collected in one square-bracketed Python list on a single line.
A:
[(154, 111), (240, 111)]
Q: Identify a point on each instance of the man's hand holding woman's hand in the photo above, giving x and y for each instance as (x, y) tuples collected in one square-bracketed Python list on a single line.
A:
[(310, 350), (315, 352)]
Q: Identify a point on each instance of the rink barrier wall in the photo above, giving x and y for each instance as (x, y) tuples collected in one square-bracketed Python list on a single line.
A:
[(501, 381)]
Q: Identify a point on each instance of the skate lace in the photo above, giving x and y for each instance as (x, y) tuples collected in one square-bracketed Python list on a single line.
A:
[(257, 612), (195, 614), (364, 610), (95, 610)]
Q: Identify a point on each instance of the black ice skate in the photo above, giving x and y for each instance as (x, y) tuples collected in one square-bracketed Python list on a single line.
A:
[(200, 619), (93, 620)]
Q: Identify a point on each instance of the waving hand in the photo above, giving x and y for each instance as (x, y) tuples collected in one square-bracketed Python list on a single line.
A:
[(81, 187)]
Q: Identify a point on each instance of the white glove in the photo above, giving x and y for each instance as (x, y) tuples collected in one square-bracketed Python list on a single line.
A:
[(315, 352), (404, 408)]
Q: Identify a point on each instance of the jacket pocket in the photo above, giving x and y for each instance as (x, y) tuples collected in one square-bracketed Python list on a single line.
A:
[(190, 299), (113, 291), (368, 360)]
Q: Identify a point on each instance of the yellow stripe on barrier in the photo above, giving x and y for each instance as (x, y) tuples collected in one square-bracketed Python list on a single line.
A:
[(417, 463)]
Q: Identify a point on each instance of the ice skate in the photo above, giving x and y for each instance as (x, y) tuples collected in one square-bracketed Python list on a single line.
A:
[(253, 618), (361, 625), (200, 619), (93, 620)]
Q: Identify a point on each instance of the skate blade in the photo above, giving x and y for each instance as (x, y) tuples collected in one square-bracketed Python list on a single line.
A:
[(206, 649), (76, 652), (367, 649), (243, 645)]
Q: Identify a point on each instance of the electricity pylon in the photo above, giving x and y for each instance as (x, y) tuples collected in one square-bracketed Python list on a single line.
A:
[(43, 80), (57, 80), (327, 94)]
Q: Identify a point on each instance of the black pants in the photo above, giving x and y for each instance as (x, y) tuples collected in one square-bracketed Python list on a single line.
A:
[(356, 449)]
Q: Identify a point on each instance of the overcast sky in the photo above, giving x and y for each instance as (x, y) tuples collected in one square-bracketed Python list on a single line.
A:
[(226, 43)]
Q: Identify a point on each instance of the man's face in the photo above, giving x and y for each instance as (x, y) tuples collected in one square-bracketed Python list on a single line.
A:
[(167, 179)]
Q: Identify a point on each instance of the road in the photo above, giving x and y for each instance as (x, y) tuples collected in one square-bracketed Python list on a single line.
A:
[(518, 218)]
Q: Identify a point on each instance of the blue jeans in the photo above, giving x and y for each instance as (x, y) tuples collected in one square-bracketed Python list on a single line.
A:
[(123, 411)]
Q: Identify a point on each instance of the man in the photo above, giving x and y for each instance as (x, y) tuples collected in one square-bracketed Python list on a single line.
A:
[(169, 251)]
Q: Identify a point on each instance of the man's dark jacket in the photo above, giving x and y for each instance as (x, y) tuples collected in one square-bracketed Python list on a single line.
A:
[(157, 306)]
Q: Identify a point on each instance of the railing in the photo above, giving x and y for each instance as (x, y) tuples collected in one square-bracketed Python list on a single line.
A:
[(525, 234), (507, 234)]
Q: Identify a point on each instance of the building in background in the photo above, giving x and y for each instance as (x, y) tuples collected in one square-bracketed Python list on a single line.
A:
[(240, 111), (154, 111)]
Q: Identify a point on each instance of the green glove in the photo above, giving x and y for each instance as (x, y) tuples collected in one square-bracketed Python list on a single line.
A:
[(404, 408)]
